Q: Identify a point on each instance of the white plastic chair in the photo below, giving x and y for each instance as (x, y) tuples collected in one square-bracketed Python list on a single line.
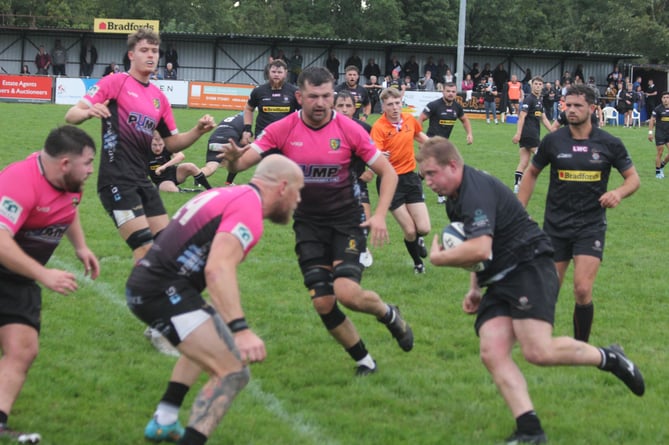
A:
[(610, 113), (636, 118)]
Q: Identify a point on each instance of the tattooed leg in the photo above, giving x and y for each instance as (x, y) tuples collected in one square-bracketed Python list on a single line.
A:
[(214, 400)]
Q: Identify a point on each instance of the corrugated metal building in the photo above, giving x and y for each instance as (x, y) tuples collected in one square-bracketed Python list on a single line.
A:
[(241, 58)]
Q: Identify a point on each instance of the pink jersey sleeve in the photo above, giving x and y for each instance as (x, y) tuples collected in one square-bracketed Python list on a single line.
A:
[(17, 197), (243, 220)]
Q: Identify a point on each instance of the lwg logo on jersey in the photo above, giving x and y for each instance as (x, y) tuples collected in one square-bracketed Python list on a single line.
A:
[(142, 123)]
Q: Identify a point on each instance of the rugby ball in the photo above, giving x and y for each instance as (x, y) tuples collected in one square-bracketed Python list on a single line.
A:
[(452, 236)]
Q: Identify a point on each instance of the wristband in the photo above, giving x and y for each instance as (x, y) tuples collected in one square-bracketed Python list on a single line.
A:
[(650, 131), (238, 324), (248, 129)]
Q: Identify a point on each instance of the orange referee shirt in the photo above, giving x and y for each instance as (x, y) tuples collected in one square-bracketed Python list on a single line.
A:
[(397, 139)]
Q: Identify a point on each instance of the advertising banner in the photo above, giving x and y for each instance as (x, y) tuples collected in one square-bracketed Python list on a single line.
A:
[(26, 88), (70, 89), (123, 26), (224, 96)]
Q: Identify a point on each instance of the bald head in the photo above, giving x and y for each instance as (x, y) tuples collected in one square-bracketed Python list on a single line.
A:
[(280, 181), (276, 168)]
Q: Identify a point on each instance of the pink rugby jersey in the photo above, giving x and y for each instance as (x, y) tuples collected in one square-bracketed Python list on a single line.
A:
[(331, 191), (137, 110), (36, 213), (180, 252)]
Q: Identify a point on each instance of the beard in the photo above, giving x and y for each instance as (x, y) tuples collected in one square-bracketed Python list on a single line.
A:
[(71, 185)]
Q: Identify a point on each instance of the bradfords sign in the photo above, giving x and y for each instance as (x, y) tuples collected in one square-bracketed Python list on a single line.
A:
[(122, 26)]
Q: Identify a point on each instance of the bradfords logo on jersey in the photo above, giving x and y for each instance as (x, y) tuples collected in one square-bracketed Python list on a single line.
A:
[(335, 144), (10, 209)]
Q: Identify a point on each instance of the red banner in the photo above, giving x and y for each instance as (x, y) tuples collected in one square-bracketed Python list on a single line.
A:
[(26, 88)]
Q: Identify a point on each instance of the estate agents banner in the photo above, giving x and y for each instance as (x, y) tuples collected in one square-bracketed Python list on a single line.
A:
[(26, 88)]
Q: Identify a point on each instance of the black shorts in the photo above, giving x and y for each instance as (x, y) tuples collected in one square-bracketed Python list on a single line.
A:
[(322, 245), (127, 202), (20, 302), (582, 243), (212, 156), (409, 190), (364, 192), (529, 291), (174, 312), (661, 138), (528, 142), (169, 174)]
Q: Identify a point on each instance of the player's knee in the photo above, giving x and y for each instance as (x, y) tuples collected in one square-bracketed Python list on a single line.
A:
[(334, 318), (139, 238), (319, 282), (537, 355)]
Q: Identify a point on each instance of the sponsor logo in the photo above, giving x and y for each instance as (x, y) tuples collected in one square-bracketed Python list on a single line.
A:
[(579, 148), (268, 109), (10, 209), (243, 234), (579, 175)]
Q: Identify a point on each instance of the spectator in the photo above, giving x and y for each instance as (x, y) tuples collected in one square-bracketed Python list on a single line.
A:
[(42, 61), (373, 90), (155, 74), (88, 57), (637, 82), (566, 77), (449, 77), (393, 64), (408, 84), (578, 72), (395, 81), (651, 98), (170, 72), (475, 73), (411, 69), (432, 68), (58, 58), (489, 96), (558, 98), (110, 69), (467, 86), (501, 77), (441, 71), (548, 98), (614, 76), (514, 92), (25, 69), (295, 65), (371, 69), (486, 73), (280, 55), (171, 56), (426, 83), (611, 93), (355, 61), (527, 88), (332, 64)]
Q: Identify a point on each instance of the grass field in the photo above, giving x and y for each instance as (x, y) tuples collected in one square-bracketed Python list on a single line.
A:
[(97, 380)]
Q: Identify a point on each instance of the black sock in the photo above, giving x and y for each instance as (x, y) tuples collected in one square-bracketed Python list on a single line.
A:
[(202, 180), (414, 251), (518, 176), (358, 351), (230, 179), (583, 315), (663, 164), (658, 170), (175, 393), (609, 359), (4, 417), (529, 423), (193, 437)]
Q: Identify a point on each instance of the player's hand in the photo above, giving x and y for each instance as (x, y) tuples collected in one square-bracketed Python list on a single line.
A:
[(515, 139), (59, 281), (610, 199), (377, 229), (101, 111), (234, 152), (367, 176), (206, 124), (650, 137), (470, 139), (471, 302), (251, 347), (90, 262), (159, 171)]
